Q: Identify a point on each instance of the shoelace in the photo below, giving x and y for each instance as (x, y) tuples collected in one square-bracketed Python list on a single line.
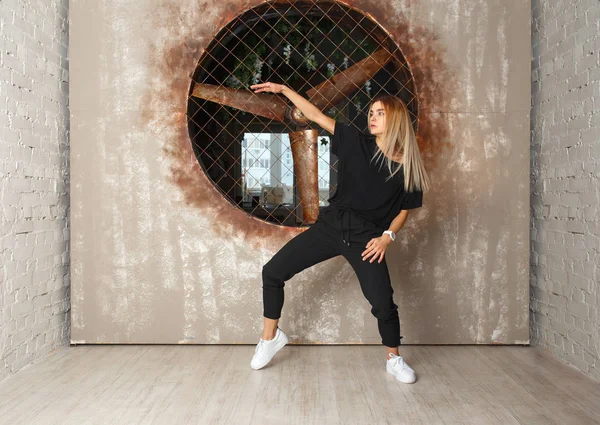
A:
[(397, 360), (260, 343)]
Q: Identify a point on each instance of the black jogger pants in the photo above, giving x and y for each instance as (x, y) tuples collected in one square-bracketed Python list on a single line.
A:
[(328, 237)]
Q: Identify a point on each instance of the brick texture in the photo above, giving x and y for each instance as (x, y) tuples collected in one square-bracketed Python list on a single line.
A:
[(34, 186), (565, 167)]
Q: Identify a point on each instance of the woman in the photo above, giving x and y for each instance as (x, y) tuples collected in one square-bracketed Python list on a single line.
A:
[(370, 205)]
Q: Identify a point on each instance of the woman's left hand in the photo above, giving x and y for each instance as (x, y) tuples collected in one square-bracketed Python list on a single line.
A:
[(376, 248)]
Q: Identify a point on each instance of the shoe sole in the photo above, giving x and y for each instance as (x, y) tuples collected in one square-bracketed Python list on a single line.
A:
[(391, 372), (278, 346)]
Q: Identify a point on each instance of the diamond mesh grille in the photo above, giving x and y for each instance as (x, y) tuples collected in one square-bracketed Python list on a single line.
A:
[(300, 44)]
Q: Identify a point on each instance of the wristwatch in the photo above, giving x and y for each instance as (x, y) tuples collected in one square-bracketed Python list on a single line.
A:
[(391, 233)]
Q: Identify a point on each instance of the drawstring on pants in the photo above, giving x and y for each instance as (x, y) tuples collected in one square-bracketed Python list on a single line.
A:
[(340, 216)]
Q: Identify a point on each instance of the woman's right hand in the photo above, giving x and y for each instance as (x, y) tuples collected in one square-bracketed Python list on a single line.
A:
[(268, 87), (310, 111)]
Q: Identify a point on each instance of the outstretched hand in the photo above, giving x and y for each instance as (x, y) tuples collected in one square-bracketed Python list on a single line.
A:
[(376, 248), (268, 87)]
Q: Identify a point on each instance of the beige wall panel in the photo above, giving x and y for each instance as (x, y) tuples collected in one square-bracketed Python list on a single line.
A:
[(159, 256)]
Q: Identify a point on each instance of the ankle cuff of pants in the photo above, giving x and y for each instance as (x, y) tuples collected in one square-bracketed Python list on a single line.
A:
[(393, 344)]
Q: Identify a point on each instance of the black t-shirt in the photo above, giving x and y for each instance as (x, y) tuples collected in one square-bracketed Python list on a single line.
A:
[(362, 185)]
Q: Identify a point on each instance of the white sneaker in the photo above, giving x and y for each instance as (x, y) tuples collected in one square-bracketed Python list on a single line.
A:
[(266, 349), (397, 367)]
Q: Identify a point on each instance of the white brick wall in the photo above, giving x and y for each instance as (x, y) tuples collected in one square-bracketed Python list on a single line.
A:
[(34, 190), (565, 166)]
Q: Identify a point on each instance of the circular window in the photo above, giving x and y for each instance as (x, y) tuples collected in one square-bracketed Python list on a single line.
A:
[(258, 149)]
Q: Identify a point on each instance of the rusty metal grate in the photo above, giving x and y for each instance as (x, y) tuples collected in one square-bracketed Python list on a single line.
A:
[(326, 51)]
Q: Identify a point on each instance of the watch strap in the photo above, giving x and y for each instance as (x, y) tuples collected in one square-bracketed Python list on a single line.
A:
[(391, 234)]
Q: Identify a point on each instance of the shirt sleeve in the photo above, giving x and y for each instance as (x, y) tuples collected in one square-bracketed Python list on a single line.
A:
[(343, 135), (412, 200)]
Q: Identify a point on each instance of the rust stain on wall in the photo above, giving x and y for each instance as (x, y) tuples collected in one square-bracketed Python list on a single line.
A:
[(165, 104)]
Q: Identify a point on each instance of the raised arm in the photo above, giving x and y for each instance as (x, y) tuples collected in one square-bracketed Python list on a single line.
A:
[(309, 110)]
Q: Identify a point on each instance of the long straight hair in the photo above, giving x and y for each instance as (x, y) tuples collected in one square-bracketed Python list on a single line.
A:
[(399, 138)]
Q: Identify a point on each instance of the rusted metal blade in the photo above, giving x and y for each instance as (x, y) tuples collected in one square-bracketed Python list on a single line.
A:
[(333, 90), (305, 154), (263, 104)]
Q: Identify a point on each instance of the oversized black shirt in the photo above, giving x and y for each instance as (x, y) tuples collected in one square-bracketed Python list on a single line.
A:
[(362, 187)]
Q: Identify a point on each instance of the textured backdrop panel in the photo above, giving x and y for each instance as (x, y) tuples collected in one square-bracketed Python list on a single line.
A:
[(159, 256)]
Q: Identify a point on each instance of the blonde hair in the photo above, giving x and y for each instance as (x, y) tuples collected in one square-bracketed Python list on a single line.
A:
[(399, 138)]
